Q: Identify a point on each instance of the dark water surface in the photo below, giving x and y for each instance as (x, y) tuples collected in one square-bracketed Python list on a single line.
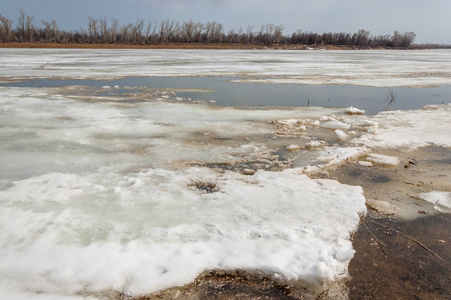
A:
[(227, 93)]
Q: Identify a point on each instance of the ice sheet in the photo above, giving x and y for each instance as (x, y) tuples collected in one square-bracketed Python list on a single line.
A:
[(94, 196), (43, 132), (440, 199), (408, 130), (378, 68), (64, 233)]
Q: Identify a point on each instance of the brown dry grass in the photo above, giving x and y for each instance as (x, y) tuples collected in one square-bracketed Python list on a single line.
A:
[(168, 46), (126, 46)]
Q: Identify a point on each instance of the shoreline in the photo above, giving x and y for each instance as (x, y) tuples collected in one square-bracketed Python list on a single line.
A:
[(395, 255), (197, 46)]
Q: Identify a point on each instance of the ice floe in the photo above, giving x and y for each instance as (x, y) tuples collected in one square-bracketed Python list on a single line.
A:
[(146, 231), (354, 111), (440, 199), (409, 129), (382, 160)]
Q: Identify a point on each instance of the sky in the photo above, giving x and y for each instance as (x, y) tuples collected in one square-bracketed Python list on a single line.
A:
[(429, 19)]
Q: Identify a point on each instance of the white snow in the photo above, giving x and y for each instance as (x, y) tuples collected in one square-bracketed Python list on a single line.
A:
[(440, 199), (341, 135), (333, 123), (354, 111), (316, 144), (331, 157), (410, 129), (378, 68), (141, 232), (293, 148), (99, 196), (383, 160)]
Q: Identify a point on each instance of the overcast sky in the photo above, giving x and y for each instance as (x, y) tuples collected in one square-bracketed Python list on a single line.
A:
[(429, 19)]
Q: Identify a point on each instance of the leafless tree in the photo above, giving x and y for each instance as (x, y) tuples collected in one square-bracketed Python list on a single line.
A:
[(124, 33), (50, 32), (21, 25), (29, 28), (167, 30), (92, 30), (6, 33), (104, 32), (170, 31), (188, 29), (113, 30), (136, 31)]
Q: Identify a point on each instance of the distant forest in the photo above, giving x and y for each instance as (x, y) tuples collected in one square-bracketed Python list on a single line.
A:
[(101, 31)]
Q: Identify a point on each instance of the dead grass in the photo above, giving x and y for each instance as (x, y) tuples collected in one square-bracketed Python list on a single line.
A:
[(204, 186), (171, 46), (125, 46)]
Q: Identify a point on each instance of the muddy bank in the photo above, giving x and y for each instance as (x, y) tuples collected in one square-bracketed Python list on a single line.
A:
[(390, 263)]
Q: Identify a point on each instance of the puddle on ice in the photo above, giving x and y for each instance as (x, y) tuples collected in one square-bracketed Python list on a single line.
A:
[(226, 93)]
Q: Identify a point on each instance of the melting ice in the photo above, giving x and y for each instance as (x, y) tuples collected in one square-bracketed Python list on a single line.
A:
[(101, 195)]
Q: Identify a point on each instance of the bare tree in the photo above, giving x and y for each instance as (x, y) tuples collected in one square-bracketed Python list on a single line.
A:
[(124, 33), (47, 31), (408, 38), (250, 34), (6, 33), (362, 38), (29, 28), (104, 32), (21, 26), (148, 31), (278, 34), (92, 30), (267, 33), (168, 31), (136, 31), (396, 39), (191, 31), (113, 30)]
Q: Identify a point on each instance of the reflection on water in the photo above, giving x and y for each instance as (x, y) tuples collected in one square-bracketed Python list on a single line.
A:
[(227, 93), (390, 98)]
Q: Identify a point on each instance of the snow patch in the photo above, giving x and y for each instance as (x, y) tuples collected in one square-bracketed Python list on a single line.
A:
[(341, 135), (410, 129), (441, 200), (383, 160), (155, 231), (335, 124), (354, 111), (332, 157)]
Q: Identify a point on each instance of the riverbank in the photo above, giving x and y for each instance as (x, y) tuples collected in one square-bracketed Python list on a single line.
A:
[(180, 46)]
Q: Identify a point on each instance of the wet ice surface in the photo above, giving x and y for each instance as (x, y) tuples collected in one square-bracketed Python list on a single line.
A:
[(100, 193), (225, 91), (366, 68)]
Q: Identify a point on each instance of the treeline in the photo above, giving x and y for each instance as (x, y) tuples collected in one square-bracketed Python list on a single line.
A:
[(139, 33)]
